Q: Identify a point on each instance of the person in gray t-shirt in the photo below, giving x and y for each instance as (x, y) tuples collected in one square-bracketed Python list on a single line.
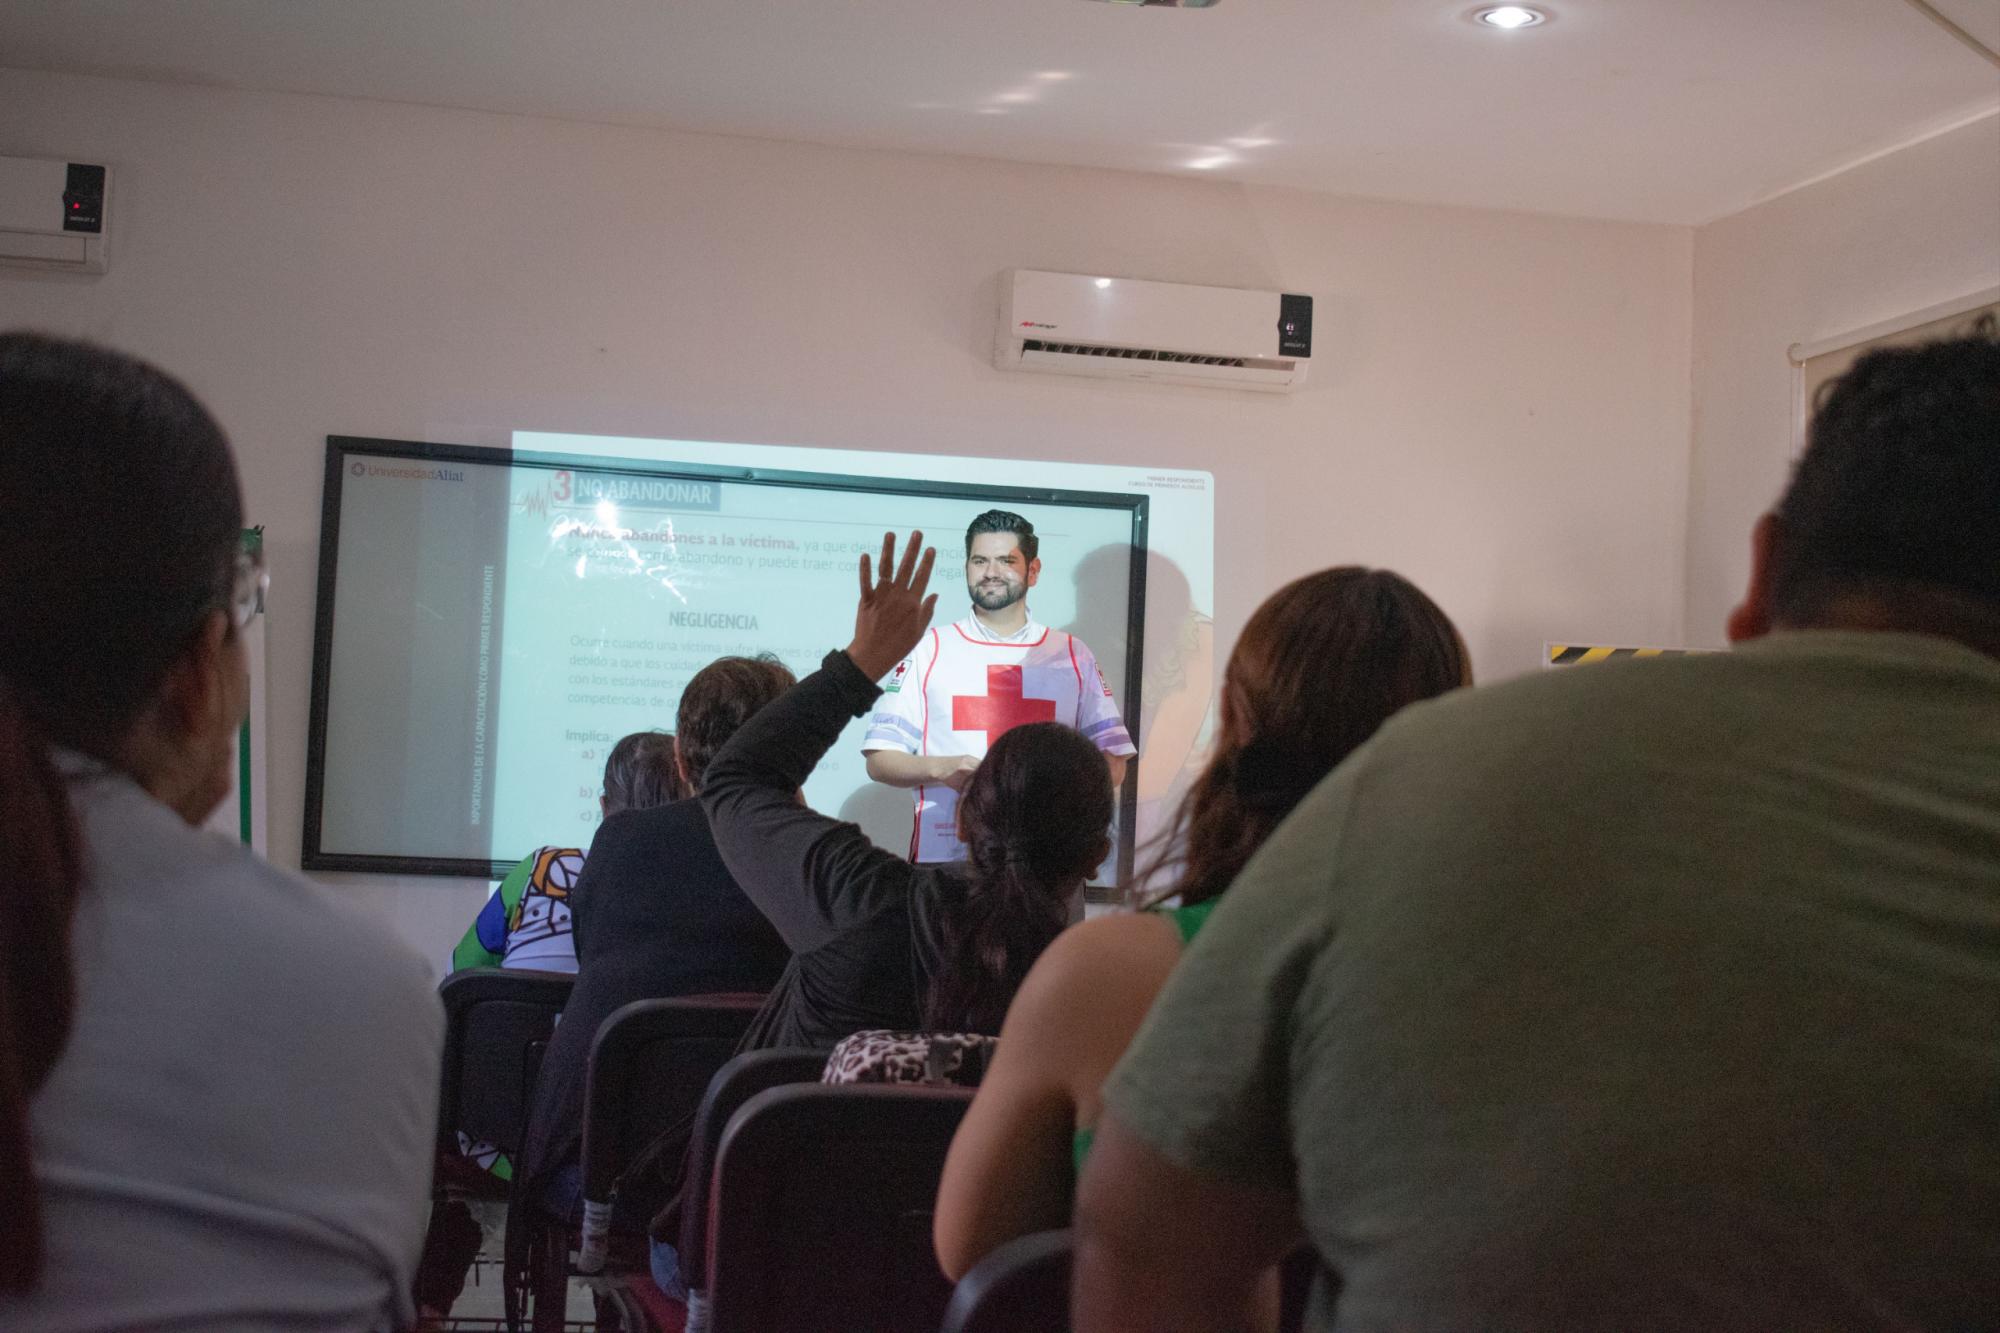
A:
[(218, 1082), (1643, 995)]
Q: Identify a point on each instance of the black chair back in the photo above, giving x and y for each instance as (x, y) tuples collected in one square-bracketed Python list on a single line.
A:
[(497, 1023), (1022, 1287), (650, 1065), (821, 1209), (1296, 1276), (650, 1062), (734, 1084)]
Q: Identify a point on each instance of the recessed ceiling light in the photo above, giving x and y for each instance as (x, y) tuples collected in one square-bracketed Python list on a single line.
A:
[(1167, 4), (1511, 17)]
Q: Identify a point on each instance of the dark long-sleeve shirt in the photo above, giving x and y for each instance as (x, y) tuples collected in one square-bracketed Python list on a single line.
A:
[(864, 925), (657, 915)]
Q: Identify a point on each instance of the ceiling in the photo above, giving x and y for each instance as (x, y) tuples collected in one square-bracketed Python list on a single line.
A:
[(1674, 111)]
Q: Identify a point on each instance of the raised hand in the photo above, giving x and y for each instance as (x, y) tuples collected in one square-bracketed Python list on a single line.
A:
[(894, 612)]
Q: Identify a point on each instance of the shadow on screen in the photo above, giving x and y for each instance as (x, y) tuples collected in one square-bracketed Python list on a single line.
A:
[(1177, 669), (886, 814)]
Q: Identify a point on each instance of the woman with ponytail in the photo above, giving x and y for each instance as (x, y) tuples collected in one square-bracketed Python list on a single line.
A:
[(1321, 664), (217, 1082), (1028, 856), (37, 991), (878, 942)]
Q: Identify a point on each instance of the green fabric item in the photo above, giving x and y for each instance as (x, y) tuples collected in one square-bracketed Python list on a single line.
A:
[(470, 952), (1190, 920), (1667, 984)]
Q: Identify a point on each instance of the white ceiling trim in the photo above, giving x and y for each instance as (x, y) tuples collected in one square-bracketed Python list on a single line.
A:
[(1971, 41), (1890, 150)]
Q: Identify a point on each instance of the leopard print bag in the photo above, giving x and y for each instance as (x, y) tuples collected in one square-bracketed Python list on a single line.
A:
[(929, 1059)]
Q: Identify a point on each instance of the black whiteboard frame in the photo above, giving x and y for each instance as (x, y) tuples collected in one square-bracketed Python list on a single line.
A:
[(341, 449)]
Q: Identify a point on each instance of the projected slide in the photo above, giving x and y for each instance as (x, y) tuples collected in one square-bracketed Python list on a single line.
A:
[(1179, 671), (492, 622)]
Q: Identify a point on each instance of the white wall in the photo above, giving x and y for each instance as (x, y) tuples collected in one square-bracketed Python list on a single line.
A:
[(1499, 405), (1910, 230)]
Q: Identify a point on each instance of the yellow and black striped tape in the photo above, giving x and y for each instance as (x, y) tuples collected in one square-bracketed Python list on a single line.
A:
[(1576, 654)]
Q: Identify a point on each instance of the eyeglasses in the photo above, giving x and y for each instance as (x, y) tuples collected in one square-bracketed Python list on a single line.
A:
[(247, 585)]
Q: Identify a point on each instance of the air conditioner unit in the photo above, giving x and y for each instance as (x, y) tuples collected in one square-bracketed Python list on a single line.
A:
[(52, 214), (1121, 328)]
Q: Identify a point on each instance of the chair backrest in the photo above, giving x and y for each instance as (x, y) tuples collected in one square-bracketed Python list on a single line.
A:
[(1296, 1276), (650, 1063), (820, 1215), (734, 1084), (497, 1021), (1022, 1287)]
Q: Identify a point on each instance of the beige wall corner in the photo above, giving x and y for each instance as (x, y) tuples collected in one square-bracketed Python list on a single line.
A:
[(1895, 235)]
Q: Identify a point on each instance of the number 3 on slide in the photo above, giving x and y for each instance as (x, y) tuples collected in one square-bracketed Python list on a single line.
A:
[(561, 484)]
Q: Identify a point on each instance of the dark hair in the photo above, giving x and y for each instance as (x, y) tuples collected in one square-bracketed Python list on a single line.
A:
[(723, 696), (1004, 520), (38, 837), (1899, 487), (120, 520), (1034, 818), (1324, 661), (640, 773)]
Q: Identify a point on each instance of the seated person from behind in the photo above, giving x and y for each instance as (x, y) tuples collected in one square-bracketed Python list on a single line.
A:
[(1323, 663), (526, 921), (218, 1081), (1645, 995), (657, 915), (878, 942)]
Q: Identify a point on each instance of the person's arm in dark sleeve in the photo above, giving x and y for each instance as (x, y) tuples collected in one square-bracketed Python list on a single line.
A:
[(812, 876)]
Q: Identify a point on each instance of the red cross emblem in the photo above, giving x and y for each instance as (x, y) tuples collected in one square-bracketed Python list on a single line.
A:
[(1001, 708)]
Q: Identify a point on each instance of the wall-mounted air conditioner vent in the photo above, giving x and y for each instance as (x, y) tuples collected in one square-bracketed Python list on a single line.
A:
[(52, 214), (1143, 354), (1218, 337)]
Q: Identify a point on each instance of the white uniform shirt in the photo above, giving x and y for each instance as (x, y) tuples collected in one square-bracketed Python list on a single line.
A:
[(962, 688), (238, 1135)]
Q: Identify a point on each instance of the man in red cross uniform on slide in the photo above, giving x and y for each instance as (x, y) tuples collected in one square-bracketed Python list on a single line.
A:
[(972, 680)]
